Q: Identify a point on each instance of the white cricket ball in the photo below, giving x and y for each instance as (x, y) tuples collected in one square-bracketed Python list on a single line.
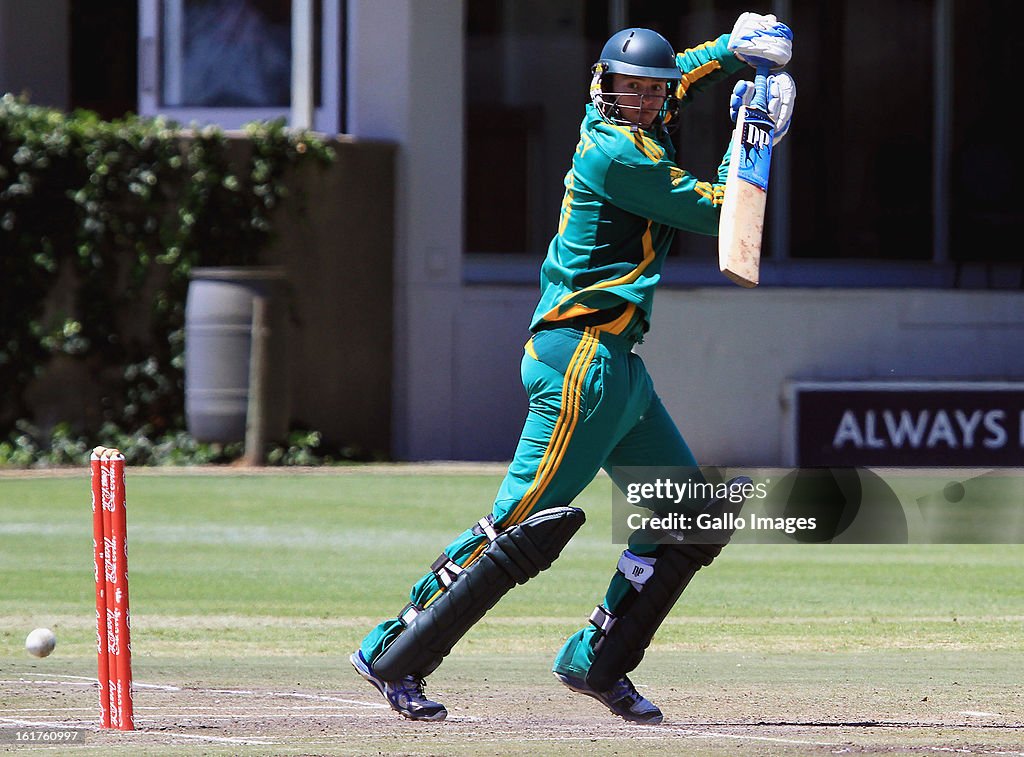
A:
[(40, 642)]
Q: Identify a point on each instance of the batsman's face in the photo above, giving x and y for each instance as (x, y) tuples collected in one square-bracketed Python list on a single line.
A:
[(639, 98)]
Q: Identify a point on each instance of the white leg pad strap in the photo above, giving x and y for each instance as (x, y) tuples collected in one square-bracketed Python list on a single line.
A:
[(486, 526), (602, 619), (446, 570), (636, 569)]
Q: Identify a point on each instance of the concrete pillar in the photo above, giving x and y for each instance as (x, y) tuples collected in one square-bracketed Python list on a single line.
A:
[(405, 84)]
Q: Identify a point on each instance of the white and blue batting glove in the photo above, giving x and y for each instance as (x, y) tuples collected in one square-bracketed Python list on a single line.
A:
[(761, 41), (781, 101)]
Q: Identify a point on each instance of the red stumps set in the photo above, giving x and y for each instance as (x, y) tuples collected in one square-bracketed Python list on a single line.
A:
[(110, 548)]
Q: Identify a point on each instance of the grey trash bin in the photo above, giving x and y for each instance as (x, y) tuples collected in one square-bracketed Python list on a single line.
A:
[(218, 343)]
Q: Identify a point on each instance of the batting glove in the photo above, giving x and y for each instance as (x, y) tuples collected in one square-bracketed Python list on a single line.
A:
[(781, 101), (761, 41)]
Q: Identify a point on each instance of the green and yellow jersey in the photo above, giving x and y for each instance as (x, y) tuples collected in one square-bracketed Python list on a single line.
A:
[(625, 197)]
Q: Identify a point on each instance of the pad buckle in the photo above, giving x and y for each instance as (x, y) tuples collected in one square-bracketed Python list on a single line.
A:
[(602, 619), (486, 526), (446, 570), (409, 613)]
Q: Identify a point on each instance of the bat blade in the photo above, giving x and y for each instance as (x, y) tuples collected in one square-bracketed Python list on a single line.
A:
[(746, 194)]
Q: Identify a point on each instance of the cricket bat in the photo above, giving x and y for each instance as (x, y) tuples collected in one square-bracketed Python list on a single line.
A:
[(746, 189)]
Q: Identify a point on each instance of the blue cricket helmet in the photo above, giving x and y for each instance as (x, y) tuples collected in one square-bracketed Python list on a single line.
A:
[(639, 52), (635, 52)]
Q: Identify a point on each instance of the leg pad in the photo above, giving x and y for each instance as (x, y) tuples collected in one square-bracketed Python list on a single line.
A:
[(625, 635), (513, 557)]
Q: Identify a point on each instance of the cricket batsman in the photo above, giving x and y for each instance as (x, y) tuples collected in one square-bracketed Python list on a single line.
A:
[(592, 404)]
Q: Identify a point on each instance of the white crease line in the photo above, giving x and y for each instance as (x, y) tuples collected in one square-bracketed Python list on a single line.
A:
[(88, 681), (85, 681), (291, 694), (968, 750), (20, 722), (268, 708), (747, 737), (660, 732), (94, 684), (74, 678), (214, 739), (374, 705)]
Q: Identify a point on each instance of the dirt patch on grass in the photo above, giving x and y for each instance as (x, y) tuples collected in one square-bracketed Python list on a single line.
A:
[(490, 719)]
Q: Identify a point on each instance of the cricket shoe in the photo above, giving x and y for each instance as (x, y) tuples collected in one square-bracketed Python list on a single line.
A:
[(404, 695), (622, 699)]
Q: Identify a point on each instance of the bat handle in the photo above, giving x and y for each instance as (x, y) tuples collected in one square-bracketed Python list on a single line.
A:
[(760, 100)]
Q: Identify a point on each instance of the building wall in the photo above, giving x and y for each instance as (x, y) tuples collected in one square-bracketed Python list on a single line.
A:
[(35, 50), (336, 242), (720, 357), (404, 84)]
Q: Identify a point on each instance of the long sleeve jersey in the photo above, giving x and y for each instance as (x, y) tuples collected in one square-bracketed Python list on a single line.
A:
[(625, 197)]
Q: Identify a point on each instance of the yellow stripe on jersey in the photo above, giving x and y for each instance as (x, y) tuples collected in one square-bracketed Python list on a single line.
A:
[(690, 78), (619, 324), (701, 46), (576, 310), (648, 147), (568, 415), (709, 191), (633, 275), (555, 313), (566, 211)]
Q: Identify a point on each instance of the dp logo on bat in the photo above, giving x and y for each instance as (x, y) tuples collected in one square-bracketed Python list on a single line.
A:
[(757, 136), (756, 148)]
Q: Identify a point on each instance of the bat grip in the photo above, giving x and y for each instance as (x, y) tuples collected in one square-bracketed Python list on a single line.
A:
[(760, 100)]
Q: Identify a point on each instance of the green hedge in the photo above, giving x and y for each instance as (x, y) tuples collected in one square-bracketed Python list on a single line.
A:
[(123, 209)]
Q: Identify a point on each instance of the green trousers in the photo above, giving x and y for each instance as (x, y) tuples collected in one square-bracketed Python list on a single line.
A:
[(592, 406)]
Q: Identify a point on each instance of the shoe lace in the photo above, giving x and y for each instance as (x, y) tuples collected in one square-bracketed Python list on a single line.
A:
[(623, 689), (411, 687)]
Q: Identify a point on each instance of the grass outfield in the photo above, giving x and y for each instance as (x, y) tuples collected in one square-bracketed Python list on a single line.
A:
[(248, 591)]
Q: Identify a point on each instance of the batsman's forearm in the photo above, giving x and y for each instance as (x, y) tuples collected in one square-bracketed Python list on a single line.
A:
[(704, 65)]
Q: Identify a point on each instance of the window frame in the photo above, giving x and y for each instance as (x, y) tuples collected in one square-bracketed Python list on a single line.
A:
[(328, 117), (940, 270)]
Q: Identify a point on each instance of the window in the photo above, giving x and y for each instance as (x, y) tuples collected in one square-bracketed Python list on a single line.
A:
[(893, 172), (104, 42), (527, 64), (861, 166), (226, 53), (229, 61)]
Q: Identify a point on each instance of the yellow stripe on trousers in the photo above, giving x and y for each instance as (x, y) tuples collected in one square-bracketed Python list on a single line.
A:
[(572, 393), (568, 415)]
